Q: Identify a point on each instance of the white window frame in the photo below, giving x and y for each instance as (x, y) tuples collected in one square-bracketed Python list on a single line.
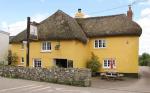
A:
[(108, 64), (103, 42), (46, 46), (38, 60), (22, 61)]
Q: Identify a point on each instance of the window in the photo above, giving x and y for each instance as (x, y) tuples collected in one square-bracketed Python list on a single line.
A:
[(100, 44), (22, 59), (109, 63), (37, 63), (46, 46)]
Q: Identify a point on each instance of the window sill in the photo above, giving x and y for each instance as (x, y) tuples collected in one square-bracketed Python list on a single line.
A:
[(106, 68), (46, 51), (109, 68), (100, 48)]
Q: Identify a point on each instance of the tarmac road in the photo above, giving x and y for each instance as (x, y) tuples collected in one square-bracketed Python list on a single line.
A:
[(129, 85)]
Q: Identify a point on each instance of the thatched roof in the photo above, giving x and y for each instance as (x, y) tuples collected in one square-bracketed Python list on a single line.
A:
[(19, 38), (11, 37), (61, 26), (115, 25)]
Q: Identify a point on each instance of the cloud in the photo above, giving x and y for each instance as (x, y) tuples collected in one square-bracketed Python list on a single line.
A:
[(144, 22), (145, 12), (86, 16), (19, 26), (144, 2)]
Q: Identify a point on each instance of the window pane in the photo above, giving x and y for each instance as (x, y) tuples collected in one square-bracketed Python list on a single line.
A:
[(104, 43), (37, 63), (108, 63), (45, 43), (105, 63), (22, 59), (48, 46), (43, 46), (100, 43), (96, 43)]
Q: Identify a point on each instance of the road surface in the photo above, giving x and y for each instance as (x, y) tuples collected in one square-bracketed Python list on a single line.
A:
[(129, 85)]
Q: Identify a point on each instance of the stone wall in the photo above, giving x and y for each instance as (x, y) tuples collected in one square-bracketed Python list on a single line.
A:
[(69, 76)]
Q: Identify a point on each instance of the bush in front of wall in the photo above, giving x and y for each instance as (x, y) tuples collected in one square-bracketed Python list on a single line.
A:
[(93, 64), (12, 58)]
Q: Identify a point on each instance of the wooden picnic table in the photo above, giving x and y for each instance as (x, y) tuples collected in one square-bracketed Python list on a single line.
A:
[(112, 76)]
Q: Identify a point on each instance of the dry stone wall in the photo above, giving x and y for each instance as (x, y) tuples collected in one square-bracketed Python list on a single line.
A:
[(69, 76)]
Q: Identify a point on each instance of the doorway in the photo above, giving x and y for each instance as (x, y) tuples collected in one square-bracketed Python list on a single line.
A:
[(63, 63)]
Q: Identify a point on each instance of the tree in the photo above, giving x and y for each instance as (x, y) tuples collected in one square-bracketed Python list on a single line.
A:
[(93, 63), (12, 58), (144, 59)]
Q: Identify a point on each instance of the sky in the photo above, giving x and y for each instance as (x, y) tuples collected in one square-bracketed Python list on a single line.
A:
[(15, 12)]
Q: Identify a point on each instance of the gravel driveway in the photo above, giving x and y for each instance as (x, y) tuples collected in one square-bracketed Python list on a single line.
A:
[(140, 85)]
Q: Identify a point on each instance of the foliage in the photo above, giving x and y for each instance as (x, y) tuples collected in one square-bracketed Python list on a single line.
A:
[(12, 58), (93, 63), (144, 59)]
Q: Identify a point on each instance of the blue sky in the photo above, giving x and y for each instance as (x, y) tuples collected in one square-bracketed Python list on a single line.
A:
[(14, 12)]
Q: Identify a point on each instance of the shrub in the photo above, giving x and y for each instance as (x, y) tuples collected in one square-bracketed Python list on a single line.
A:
[(12, 58), (93, 63), (144, 59)]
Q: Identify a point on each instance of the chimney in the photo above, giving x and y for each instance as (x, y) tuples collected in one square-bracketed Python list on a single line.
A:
[(130, 13), (79, 14), (79, 10)]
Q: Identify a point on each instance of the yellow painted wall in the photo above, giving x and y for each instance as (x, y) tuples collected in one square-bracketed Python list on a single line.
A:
[(68, 50), (123, 49), (72, 50), (16, 49)]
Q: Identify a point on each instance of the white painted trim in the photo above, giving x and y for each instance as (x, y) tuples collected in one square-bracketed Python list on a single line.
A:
[(33, 62), (98, 44), (107, 63), (108, 67), (37, 58), (45, 50)]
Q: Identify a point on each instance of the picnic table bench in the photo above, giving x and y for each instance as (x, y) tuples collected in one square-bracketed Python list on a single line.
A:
[(112, 76)]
